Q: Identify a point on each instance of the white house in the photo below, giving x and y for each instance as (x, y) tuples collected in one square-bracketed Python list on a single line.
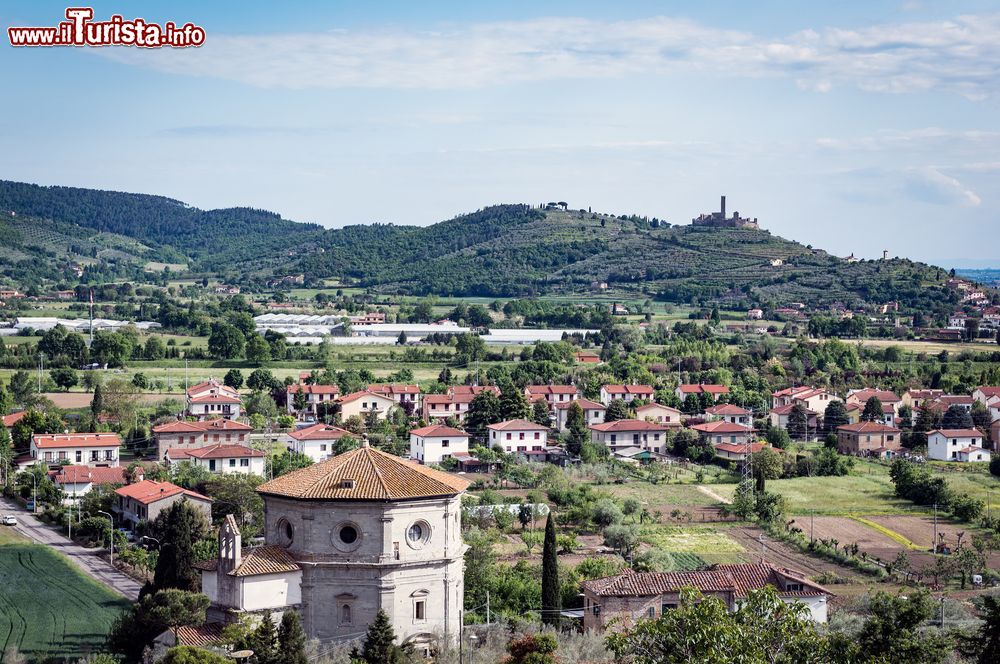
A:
[(221, 459), (519, 436), (683, 391), (593, 412), (77, 481), (986, 395), (659, 413), (626, 393), (432, 444), (407, 396), (143, 501), (91, 449), (729, 413), (956, 445), (213, 399), (315, 395), (620, 434), (318, 441), (553, 394)]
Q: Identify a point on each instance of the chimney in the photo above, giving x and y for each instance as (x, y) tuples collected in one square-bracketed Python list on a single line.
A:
[(723, 207)]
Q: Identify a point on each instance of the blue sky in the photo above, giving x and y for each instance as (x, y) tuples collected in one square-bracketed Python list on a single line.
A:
[(852, 126)]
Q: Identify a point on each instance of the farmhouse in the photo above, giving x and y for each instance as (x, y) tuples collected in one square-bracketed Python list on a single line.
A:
[(620, 601), (519, 436), (627, 393), (143, 501), (620, 434), (77, 481), (593, 412), (407, 396), (779, 417), (219, 459), (659, 413), (723, 432), (434, 443), (916, 398), (314, 397), (986, 395), (716, 391), (182, 435), (738, 453), (866, 437), (356, 533), (956, 445), (213, 399), (887, 397), (318, 441), (91, 449)]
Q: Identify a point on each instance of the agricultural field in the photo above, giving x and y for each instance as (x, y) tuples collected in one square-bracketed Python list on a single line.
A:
[(48, 608)]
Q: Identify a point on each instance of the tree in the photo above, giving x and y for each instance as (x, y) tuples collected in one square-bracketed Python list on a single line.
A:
[(175, 564), (576, 425), (956, 417), (140, 381), (798, 422), (873, 410), (617, 410), (835, 416), (984, 645), (175, 608), (257, 350), (606, 512), (262, 380), (6, 401), (22, 388), (469, 348), (193, 655), (291, 639), (551, 597), (513, 403), (401, 339), (154, 349), (622, 538), (484, 409), (226, 342), (97, 403), (233, 379), (236, 493), (891, 632), (540, 412), (533, 649), (379, 646), (64, 377)]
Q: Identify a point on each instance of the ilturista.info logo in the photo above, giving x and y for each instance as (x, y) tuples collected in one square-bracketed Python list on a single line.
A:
[(80, 29)]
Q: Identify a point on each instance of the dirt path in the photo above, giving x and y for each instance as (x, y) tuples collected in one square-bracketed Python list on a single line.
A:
[(711, 494), (781, 554)]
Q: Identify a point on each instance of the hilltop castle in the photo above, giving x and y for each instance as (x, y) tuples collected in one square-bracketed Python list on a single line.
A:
[(719, 220)]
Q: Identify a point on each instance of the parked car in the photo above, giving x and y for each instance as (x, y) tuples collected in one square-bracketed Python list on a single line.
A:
[(129, 535), (9, 520)]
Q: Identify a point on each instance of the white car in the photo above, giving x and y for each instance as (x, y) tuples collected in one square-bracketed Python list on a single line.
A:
[(9, 520)]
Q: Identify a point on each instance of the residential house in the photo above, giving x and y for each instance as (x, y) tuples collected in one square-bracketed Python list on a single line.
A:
[(553, 394), (143, 501), (887, 397), (723, 432), (519, 436), (814, 400), (213, 399), (986, 395), (620, 434), (184, 435), (454, 403), (786, 397), (9, 421), (434, 443), (916, 399), (318, 441), (315, 396), (586, 357), (940, 405), (627, 393), (729, 413), (220, 459), (779, 416), (618, 602), (364, 403), (91, 449), (736, 452), (77, 481), (865, 437), (657, 412), (956, 445), (407, 396), (593, 412), (716, 391), (755, 314)]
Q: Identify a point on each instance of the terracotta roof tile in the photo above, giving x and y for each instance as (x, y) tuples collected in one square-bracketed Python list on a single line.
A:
[(58, 440), (721, 426), (12, 419), (727, 409), (320, 432), (217, 424), (438, 430), (88, 475), (202, 635), (365, 474), (957, 433), (739, 579), (585, 404), (551, 389), (313, 389), (150, 491), (628, 389), (517, 425), (215, 452), (628, 425), (867, 427)]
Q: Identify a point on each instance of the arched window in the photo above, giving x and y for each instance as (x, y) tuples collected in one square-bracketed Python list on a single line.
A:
[(345, 614)]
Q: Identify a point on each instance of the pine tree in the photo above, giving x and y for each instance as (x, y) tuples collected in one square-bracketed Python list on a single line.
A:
[(513, 404), (540, 412), (576, 423), (379, 646), (551, 598), (291, 639), (264, 642), (483, 411), (835, 416), (617, 410), (873, 410)]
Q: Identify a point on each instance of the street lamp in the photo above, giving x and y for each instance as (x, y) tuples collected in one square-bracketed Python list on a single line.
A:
[(147, 537), (34, 493), (111, 520)]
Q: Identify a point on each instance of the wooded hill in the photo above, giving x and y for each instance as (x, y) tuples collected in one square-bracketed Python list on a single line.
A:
[(499, 251)]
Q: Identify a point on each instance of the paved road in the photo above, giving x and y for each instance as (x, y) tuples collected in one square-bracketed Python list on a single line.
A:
[(85, 559)]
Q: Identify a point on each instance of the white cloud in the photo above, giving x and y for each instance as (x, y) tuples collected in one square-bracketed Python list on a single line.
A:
[(961, 55), (932, 186)]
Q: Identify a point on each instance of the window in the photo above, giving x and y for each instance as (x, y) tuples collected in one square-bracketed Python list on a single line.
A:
[(322, 447), (232, 463), (211, 465), (508, 436), (62, 455), (415, 533), (93, 455), (244, 463), (395, 550), (444, 443), (418, 609), (79, 456), (651, 612), (793, 587), (667, 607), (345, 614), (537, 435), (520, 436), (348, 534), (285, 533), (48, 456)]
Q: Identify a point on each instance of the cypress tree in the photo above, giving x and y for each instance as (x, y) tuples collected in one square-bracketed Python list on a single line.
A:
[(175, 565), (379, 646), (291, 639), (873, 410), (551, 598), (96, 404)]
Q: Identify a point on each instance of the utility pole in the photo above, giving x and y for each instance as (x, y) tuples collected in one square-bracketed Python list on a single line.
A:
[(111, 534), (935, 528), (41, 367), (487, 608)]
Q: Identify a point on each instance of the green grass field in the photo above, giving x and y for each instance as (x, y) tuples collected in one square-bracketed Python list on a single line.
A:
[(48, 608)]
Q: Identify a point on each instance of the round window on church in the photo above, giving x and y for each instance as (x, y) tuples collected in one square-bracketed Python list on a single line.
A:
[(285, 533), (418, 533), (346, 536)]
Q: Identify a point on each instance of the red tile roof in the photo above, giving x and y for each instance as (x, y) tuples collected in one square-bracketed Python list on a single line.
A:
[(436, 430), (628, 389), (320, 431), (217, 424), (727, 409), (365, 474), (698, 389), (60, 440), (472, 390), (270, 559), (787, 408), (721, 426), (215, 452), (354, 396), (739, 579), (200, 636), (393, 388), (585, 404), (151, 491), (88, 475), (534, 390), (988, 391), (517, 425), (958, 433), (628, 425), (867, 427), (313, 389), (739, 449), (868, 393), (13, 418)]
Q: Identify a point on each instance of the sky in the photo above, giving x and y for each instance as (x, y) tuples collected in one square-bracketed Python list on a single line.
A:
[(855, 127)]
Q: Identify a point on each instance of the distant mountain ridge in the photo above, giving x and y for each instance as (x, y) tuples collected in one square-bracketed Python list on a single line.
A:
[(498, 251)]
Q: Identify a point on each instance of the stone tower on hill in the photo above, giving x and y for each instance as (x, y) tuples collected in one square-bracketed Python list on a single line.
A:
[(719, 219)]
